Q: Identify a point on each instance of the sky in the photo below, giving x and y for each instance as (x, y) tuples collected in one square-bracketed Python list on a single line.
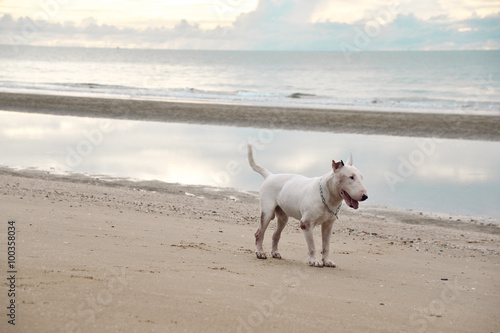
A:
[(305, 25)]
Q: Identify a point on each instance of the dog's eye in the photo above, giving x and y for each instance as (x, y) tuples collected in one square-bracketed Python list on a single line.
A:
[(352, 177)]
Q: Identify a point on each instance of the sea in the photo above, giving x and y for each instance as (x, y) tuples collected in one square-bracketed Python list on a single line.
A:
[(444, 176), (448, 81)]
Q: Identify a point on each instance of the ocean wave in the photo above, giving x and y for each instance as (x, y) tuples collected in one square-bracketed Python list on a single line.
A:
[(301, 95), (93, 86), (255, 94), (263, 98)]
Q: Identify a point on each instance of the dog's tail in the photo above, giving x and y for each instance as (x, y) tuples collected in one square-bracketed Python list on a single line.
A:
[(257, 168)]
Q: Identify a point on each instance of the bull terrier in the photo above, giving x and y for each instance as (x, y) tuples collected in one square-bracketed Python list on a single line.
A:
[(313, 201)]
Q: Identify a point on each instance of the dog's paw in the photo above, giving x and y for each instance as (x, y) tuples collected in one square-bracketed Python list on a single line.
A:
[(261, 255), (276, 255), (315, 263), (329, 263)]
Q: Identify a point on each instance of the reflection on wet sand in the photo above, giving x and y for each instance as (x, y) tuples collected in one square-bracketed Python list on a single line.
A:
[(421, 173)]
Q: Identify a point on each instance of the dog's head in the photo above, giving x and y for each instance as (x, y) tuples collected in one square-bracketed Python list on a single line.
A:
[(349, 183)]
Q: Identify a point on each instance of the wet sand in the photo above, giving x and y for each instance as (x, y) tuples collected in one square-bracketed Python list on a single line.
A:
[(453, 126)]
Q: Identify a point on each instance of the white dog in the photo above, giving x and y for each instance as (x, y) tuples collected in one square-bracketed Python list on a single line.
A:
[(312, 201)]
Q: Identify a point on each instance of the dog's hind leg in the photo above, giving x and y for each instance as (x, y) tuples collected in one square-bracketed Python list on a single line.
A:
[(266, 216), (282, 220)]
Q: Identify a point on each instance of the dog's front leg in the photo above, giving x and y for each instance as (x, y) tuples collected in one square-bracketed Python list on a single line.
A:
[(326, 233), (308, 227)]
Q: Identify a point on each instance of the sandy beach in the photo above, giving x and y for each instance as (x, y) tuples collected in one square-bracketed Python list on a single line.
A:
[(451, 126), (100, 255)]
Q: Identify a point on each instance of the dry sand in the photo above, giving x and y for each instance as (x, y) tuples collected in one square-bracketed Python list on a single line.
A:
[(95, 255), (100, 256)]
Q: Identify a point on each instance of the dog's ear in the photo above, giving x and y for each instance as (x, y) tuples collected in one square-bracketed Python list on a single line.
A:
[(349, 160), (336, 166)]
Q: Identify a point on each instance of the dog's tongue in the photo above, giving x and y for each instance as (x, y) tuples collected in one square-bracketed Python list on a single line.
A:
[(350, 201)]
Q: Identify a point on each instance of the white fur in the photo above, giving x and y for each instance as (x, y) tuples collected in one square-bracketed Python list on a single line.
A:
[(285, 195)]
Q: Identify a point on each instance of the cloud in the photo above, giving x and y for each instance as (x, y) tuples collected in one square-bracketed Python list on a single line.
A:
[(410, 33), (273, 25)]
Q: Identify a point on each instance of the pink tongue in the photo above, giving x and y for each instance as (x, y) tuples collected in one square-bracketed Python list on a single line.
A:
[(355, 204), (350, 201)]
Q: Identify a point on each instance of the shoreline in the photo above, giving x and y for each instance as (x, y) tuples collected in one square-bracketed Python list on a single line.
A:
[(449, 126), (486, 224)]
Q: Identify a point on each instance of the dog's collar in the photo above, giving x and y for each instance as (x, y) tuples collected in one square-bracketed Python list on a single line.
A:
[(326, 205)]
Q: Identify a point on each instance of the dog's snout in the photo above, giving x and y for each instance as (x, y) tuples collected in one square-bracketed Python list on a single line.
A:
[(364, 197)]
